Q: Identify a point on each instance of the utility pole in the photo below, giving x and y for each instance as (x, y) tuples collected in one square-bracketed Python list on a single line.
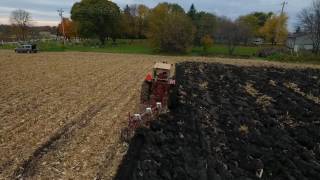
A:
[(284, 3), (61, 11)]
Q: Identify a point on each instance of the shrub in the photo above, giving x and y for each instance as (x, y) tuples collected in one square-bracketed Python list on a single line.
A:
[(305, 57), (267, 52), (90, 42), (206, 42)]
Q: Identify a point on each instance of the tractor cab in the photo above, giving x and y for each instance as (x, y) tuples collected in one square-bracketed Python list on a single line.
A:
[(162, 71)]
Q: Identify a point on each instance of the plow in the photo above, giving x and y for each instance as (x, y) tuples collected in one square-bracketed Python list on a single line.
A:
[(158, 95)]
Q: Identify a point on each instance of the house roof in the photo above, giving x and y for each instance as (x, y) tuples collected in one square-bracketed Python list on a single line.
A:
[(295, 35)]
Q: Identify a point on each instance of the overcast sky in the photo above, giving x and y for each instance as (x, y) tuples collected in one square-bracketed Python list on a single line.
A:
[(44, 11)]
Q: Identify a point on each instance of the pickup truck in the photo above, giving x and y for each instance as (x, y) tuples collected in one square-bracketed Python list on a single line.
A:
[(27, 48)]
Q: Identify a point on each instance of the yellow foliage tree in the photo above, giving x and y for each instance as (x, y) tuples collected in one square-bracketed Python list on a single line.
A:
[(206, 42), (275, 29), (143, 12)]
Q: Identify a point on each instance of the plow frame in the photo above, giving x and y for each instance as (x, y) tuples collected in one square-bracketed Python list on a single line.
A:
[(157, 104)]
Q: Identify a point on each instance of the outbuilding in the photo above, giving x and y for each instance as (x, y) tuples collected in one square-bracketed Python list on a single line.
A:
[(299, 41)]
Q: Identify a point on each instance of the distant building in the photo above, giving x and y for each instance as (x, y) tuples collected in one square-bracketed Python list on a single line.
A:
[(299, 41)]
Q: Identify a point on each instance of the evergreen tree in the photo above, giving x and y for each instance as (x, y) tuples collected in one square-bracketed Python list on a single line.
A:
[(127, 10), (192, 12)]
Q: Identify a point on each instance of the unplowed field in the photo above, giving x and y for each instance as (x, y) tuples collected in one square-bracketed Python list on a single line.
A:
[(61, 113)]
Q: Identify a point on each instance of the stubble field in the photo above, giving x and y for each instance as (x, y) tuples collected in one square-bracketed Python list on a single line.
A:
[(61, 113)]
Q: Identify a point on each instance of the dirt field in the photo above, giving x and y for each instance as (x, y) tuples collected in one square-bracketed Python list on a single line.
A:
[(61, 113)]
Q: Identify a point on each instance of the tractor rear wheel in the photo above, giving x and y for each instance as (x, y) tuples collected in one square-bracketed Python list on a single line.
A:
[(173, 97), (145, 92)]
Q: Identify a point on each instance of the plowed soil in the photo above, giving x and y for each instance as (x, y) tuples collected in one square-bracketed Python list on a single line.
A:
[(233, 123), (61, 113)]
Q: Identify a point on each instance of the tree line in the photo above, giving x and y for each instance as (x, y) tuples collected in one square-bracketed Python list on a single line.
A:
[(9, 33), (167, 26)]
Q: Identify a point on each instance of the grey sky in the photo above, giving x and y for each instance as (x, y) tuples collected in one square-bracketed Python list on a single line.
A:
[(44, 11)]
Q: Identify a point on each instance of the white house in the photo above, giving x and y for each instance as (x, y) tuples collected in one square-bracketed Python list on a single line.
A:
[(299, 41)]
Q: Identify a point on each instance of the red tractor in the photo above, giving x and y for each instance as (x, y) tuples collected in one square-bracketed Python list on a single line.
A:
[(157, 95)]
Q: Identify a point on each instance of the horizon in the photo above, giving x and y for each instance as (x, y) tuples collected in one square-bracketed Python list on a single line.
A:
[(45, 13)]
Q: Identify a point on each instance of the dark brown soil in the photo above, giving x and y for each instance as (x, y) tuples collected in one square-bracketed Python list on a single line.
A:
[(231, 123)]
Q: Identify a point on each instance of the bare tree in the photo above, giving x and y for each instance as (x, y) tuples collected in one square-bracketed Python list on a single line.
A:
[(232, 33), (310, 23), (245, 33), (20, 20)]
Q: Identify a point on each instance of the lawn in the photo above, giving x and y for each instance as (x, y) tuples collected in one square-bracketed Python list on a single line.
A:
[(136, 47), (219, 49)]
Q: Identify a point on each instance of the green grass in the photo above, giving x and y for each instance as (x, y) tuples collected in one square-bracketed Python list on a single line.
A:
[(122, 46), (306, 57), (222, 50), (142, 47), (126, 48), (137, 47), (7, 46)]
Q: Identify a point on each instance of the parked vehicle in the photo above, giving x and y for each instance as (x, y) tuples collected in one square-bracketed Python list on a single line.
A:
[(257, 41), (26, 48)]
